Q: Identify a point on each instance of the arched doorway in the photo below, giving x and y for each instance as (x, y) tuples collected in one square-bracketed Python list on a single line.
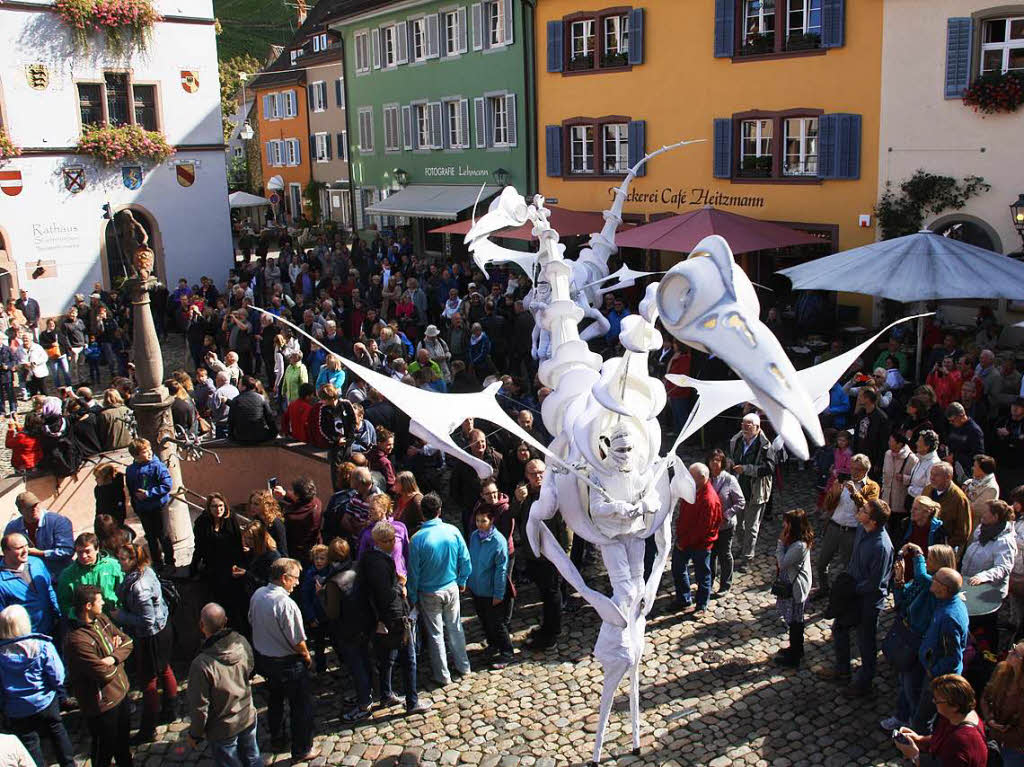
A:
[(8, 269), (968, 229), (117, 266)]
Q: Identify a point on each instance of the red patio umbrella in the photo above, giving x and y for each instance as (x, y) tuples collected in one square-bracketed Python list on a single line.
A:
[(564, 221), (680, 234)]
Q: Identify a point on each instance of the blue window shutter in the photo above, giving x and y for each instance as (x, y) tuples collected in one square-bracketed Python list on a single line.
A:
[(309, 103), (339, 97), (556, 44), (828, 138), (833, 23), (723, 148), (848, 146), (341, 146), (327, 143), (553, 138), (958, 56), (636, 36), (637, 142), (312, 147), (725, 28)]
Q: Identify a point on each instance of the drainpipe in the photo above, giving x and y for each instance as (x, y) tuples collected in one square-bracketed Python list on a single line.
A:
[(530, 91), (348, 144)]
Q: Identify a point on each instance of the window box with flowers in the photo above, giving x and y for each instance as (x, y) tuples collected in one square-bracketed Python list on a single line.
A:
[(996, 92), (124, 142), (7, 147), (126, 23)]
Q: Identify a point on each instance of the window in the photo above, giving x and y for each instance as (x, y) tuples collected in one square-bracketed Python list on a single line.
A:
[(581, 149), (582, 45), (320, 43), (759, 22), (495, 21), (419, 39), (421, 124), (318, 97), (801, 137), (774, 26), (454, 32), (390, 46), (756, 148), (144, 98), (295, 54), (295, 200), (391, 131), (238, 152), (456, 119), (804, 20), (615, 143), (343, 145), (362, 47), (292, 147), (118, 101), (616, 35), (1002, 45), (275, 153), (290, 104), (321, 145), (499, 119), (366, 129)]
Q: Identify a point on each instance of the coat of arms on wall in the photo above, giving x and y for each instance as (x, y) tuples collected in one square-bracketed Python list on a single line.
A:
[(38, 76), (131, 175), (185, 172), (189, 81), (74, 178)]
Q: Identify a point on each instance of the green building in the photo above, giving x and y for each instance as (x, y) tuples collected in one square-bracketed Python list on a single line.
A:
[(438, 107)]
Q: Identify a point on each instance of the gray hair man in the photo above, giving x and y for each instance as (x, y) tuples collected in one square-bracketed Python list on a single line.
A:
[(220, 693), (754, 460)]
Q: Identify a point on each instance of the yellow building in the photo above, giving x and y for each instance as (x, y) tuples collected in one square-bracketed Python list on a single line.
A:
[(785, 92)]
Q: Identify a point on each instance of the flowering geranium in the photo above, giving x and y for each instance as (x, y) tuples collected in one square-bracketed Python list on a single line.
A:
[(7, 147), (996, 93), (126, 22), (124, 142)]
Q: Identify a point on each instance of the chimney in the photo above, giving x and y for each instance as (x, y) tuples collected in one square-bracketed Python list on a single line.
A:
[(300, 11)]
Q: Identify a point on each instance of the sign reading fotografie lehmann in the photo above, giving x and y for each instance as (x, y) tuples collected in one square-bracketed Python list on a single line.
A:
[(697, 195)]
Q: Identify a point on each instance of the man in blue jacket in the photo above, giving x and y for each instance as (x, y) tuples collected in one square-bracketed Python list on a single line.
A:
[(942, 647), (871, 569), (439, 567), (149, 486), (25, 581), (48, 533)]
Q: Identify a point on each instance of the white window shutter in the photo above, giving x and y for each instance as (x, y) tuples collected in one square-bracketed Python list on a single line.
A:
[(387, 129), (510, 109), (375, 45), (479, 116), (433, 36), (402, 42), (436, 125), (506, 35), (463, 33), (464, 124), (407, 127), (478, 26)]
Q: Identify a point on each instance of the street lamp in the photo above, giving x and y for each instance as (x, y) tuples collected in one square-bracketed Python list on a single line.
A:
[(501, 176), (246, 132), (1017, 211), (401, 176)]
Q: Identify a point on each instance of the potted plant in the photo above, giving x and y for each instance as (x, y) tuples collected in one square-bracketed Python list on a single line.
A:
[(609, 60), (803, 41), (581, 62), (759, 166), (124, 142), (757, 43), (7, 147), (996, 92), (127, 24)]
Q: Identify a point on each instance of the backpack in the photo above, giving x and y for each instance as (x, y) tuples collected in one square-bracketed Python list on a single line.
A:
[(169, 593)]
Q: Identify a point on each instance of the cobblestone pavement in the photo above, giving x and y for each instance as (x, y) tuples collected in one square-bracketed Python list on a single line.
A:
[(709, 694)]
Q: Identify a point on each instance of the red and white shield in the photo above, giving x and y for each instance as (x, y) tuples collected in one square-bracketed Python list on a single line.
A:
[(10, 182), (189, 81)]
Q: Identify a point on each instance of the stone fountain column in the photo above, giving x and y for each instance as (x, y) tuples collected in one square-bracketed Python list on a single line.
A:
[(152, 406)]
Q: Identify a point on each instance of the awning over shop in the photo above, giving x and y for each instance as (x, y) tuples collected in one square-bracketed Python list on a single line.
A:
[(246, 200), (680, 234), (425, 201), (564, 221)]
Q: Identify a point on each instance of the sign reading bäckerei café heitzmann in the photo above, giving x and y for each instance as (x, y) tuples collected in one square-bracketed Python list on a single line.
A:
[(698, 195)]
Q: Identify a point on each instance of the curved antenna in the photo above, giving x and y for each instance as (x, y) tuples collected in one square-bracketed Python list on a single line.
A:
[(477, 202)]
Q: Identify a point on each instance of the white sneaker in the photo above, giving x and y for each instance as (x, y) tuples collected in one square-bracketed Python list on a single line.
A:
[(891, 723)]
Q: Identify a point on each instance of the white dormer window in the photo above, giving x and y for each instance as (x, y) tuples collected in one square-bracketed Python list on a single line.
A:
[(320, 43)]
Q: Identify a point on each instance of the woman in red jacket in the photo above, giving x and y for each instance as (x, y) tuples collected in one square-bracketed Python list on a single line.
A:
[(26, 449)]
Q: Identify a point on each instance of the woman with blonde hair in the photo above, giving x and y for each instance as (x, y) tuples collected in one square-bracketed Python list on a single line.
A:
[(264, 507), (262, 552), (31, 673), (331, 373), (407, 506), (115, 421), (109, 491)]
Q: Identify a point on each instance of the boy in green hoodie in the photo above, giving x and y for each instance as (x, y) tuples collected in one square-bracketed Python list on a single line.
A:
[(90, 567)]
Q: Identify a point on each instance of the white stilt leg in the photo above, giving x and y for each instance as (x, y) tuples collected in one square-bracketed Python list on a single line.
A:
[(613, 673)]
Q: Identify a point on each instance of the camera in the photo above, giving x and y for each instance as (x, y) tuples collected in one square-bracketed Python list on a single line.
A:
[(899, 737)]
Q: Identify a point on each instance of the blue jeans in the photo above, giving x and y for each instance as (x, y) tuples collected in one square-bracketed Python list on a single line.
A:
[(867, 644), (239, 751), (59, 371), (405, 656), (910, 692), (702, 574), (443, 618), (357, 661), (288, 679)]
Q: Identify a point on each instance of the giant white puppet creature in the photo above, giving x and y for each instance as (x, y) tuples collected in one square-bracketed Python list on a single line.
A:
[(608, 480)]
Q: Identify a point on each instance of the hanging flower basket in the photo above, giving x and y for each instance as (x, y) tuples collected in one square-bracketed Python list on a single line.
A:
[(7, 147), (126, 23), (991, 94), (124, 142)]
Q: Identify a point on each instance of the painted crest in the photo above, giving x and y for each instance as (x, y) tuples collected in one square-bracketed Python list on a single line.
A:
[(131, 175), (189, 81), (10, 182), (38, 76), (185, 172), (74, 178)]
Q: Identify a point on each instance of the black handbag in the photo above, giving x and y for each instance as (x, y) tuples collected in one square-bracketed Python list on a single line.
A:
[(900, 645), (782, 589)]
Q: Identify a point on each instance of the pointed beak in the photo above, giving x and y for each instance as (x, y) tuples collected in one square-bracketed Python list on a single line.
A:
[(489, 223)]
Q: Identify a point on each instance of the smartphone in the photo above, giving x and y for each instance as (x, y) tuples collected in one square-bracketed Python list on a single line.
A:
[(271, 484), (899, 737)]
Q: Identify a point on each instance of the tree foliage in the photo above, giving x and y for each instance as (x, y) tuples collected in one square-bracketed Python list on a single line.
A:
[(903, 212), (231, 83)]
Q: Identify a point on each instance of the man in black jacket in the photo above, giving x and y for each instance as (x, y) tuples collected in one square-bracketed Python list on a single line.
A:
[(871, 431), (386, 596), (250, 419)]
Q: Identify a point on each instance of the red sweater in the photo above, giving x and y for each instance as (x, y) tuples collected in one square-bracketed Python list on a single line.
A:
[(26, 451), (295, 422), (698, 522), (961, 746)]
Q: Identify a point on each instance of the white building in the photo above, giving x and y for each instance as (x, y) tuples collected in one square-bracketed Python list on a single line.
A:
[(53, 237)]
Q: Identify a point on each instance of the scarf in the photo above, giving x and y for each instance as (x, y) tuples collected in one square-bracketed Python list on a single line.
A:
[(988, 533)]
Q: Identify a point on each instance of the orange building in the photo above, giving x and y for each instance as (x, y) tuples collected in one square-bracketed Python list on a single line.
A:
[(281, 112), (786, 95)]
